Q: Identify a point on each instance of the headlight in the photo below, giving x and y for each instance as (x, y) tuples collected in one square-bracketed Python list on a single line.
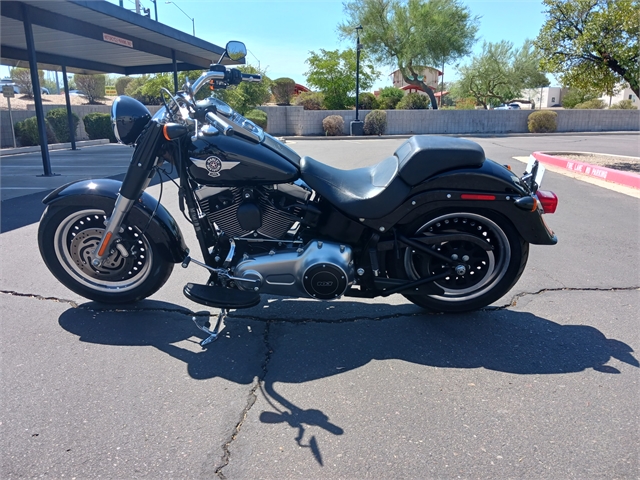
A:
[(128, 119)]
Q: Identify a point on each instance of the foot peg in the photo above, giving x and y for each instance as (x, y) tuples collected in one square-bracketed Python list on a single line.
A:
[(213, 334), (220, 297)]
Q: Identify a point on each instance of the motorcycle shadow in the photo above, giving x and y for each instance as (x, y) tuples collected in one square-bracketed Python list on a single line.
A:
[(316, 344), (265, 342)]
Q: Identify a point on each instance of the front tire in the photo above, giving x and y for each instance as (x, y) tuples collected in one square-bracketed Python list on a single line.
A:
[(488, 275), (68, 236)]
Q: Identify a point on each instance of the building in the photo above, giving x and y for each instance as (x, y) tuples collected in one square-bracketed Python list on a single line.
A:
[(623, 94), (428, 75), (545, 97)]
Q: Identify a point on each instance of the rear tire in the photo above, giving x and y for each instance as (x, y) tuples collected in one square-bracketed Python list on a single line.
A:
[(67, 237), (488, 276)]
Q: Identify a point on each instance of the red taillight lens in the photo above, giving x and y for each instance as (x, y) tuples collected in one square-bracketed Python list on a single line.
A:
[(548, 200)]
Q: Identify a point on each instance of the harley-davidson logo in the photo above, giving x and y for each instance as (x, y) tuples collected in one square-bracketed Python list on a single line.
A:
[(213, 165)]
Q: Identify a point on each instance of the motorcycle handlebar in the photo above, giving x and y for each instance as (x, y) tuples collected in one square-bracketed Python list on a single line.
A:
[(218, 75), (251, 77)]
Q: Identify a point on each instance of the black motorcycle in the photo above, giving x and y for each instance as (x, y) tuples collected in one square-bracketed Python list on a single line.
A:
[(435, 222)]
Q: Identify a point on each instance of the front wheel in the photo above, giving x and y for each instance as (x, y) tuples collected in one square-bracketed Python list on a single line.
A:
[(134, 270), (484, 274)]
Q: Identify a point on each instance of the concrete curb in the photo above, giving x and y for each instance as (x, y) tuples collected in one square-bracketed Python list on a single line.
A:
[(55, 146), (479, 135), (602, 173)]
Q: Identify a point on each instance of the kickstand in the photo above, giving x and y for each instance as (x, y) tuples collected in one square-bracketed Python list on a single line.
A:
[(213, 334)]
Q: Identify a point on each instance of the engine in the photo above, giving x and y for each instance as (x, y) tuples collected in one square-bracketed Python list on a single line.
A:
[(264, 224), (256, 212), (320, 270)]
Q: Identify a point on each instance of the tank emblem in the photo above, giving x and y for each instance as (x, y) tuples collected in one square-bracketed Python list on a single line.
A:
[(214, 165)]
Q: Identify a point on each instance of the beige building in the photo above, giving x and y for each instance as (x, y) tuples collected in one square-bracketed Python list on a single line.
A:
[(428, 75)]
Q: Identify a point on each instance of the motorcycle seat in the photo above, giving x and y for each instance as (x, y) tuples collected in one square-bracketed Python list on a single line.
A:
[(369, 192), (424, 156), (375, 191)]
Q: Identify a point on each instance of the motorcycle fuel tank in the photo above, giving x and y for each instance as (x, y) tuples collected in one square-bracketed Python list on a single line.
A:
[(233, 161)]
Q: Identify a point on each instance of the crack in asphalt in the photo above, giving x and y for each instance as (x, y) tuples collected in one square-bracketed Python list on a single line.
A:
[(251, 400)]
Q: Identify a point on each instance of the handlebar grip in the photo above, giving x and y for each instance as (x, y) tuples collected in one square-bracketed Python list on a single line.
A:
[(251, 77)]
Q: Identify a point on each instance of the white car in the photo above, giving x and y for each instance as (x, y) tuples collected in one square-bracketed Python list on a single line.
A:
[(510, 106)]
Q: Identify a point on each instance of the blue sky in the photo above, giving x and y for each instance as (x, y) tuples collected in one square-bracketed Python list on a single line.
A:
[(280, 34)]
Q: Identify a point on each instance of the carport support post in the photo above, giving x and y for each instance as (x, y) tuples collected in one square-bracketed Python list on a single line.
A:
[(37, 94), (72, 133), (175, 72)]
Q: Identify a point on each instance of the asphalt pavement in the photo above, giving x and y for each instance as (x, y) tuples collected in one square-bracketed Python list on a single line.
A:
[(543, 384)]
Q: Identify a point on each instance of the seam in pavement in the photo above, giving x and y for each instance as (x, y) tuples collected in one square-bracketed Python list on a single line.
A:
[(184, 311)]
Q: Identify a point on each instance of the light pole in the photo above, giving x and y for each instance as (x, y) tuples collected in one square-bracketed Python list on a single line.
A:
[(357, 127), (193, 21), (358, 47)]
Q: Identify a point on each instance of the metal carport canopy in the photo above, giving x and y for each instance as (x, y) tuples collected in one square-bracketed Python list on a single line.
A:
[(98, 37), (93, 37)]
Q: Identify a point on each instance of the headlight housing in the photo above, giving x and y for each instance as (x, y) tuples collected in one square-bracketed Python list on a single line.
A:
[(128, 119)]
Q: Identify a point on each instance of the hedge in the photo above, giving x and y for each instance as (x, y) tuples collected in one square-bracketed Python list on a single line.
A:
[(57, 119), (98, 125)]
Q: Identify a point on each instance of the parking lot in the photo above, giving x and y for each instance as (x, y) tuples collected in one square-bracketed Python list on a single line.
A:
[(543, 384)]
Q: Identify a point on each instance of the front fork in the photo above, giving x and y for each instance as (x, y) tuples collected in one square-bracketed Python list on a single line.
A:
[(137, 179)]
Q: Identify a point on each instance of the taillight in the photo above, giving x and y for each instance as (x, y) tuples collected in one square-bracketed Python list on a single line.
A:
[(548, 200)]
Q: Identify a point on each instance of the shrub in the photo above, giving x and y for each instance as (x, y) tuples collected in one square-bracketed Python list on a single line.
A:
[(258, 117), (413, 101), (594, 104), (466, 104), (367, 101), (283, 89), (576, 96), (333, 125), (375, 123), (57, 119), (389, 97), (542, 121), (91, 85), (27, 132), (98, 125), (121, 84), (623, 105), (310, 100)]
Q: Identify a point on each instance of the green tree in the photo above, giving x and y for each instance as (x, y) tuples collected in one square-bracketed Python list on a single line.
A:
[(409, 34), (389, 97), (92, 86), (500, 73), (247, 95), (283, 90), (22, 78), (590, 42), (334, 74), (576, 96)]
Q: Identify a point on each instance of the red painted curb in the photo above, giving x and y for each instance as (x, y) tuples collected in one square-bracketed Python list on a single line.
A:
[(603, 173)]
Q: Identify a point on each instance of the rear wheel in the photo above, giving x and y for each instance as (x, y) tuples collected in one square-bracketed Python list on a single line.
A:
[(68, 236), (482, 275)]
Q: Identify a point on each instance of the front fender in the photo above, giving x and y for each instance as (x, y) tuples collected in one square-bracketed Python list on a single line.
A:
[(102, 193)]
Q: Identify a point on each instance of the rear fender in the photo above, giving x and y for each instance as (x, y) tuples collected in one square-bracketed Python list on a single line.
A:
[(496, 189), (102, 194)]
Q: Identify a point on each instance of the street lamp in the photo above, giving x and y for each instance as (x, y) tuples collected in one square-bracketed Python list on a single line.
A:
[(193, 21), (357, 126)]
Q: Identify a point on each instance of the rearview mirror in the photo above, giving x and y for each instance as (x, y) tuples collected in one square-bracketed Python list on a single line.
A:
[(236, 50)]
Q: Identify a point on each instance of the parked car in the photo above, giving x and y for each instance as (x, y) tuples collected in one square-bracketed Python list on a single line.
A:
[(509, 106), (76, 92), (44, 90)]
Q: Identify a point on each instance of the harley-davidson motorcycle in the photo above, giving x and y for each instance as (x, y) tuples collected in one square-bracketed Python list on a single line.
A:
[(436, 221)]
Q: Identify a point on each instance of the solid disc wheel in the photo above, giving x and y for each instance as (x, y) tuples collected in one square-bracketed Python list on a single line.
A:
[(68, 238), (483, 270)]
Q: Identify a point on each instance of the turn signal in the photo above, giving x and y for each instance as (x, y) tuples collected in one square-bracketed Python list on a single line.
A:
[(171, 131), (529, 204), (548, 199)]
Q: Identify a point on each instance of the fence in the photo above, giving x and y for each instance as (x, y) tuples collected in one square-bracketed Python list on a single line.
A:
[(297, 121)]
